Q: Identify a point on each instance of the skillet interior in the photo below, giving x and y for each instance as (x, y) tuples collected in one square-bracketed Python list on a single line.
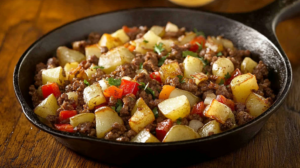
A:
[(242, 36)]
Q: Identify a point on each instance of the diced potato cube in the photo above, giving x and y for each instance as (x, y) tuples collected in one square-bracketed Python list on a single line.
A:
[(78, 73), (222, 66), (248, 65), (142, 115), (66, 55), (176, 107), (190, 96), (180, 133), (257, 104), (69, 67), (141, 46), (152, 39), (212, 127), (158, 30), (199, 77), (92, 50), (144, 137), (93, 95), (192, 65), (170, 27), (188, 37), (195, 125), (53, 75), (103, 84), (167, 43), (218, 111), (91, 71), (171, 70), (105, 118), (120, 34), (47, 107), (226, 43), (73, 95), (114, 58), (209, 98), (214, 44), (109, 41), (82, 118), (242, 86)]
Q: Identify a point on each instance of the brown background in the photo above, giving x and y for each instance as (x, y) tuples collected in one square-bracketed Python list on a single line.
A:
[(22, 145)]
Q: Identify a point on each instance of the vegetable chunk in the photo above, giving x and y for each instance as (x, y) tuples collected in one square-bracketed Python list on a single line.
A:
[(192, 65), (171, 70), (66, 55), (53, 75), (82, 118), (93, 96), (176, 107), (47, 107), (180, 133), (105, 118), (210, 128), (145, 137), (257, 104)]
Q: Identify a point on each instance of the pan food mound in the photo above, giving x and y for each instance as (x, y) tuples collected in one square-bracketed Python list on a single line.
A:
[(143, 85)]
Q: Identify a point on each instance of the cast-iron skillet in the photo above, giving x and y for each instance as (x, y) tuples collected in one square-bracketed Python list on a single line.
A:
[(261, 42)]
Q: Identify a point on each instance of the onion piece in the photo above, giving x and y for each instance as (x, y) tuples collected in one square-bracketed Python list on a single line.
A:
[(195, 124), (209, 98)]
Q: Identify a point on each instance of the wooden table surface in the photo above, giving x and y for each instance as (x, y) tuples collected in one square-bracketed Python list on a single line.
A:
[(23, 145)]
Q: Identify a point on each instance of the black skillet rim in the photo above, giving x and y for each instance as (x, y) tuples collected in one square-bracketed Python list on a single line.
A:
[(26, 109)]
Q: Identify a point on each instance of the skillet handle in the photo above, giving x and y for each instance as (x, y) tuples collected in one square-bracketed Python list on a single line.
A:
[(266, 19)]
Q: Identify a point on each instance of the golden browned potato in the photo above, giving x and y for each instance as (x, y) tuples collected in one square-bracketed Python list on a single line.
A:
[(218, 111), (105, 118), (120, 34), (257, 104), (180, 133), (142, 115), (214, 44), (212, 127), (82, 118), (222, 67), (144, 137), (47, 107), (113, 58), (93, 95), (199, 77), (66, 55), (192, 66), (176, 107), (190, 96), (189, 36), (242, 86), (248, 65), (92, 50), (91, 71), (158, 30), (109, 41), (171, 70), (73, 95), (151, 39), (170, 27), (70, 67), (53, 75)]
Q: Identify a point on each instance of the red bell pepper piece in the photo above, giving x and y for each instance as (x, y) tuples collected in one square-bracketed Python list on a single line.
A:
[(162, 128), (194, 46), (227, 102), (129, 87), (128, 30), (50, 88), (64, 127), (155, 76), (63, 115), (234, 74), (113, 91), (198, 109)]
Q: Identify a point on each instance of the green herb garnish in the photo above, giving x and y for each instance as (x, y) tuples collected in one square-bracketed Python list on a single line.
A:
[(119, 105), (178, 121), (159, 48), (115, 82), (227, 76), (221, 82), (205, 62), (200, 46), (145, 41), (113, 107), (181, 80), (97, 67), (155, 112), (199, 33), (190, 53), (219, 54), (162, 60), (148, 90), (86, 82), (141, 65)]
